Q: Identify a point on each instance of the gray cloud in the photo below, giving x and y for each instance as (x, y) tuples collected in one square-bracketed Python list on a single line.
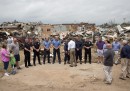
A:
[(65, 11)]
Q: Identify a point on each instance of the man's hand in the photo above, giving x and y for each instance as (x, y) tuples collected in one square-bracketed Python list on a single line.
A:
[(77, 49), (88, 47), (37, 50), (47, 49), (56, 48), (29, 50)]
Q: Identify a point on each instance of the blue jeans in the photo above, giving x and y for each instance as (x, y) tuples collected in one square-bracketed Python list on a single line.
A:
[(56, 51), (6, 64)]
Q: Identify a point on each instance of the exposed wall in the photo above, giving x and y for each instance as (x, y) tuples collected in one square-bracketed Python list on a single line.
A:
[(47, 30)]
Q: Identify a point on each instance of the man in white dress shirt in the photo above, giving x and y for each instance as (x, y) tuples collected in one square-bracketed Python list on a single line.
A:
[(71, 49), (9, 41)]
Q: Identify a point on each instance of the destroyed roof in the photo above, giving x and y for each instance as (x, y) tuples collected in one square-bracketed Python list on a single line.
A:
[(8, 27), (79, 24)]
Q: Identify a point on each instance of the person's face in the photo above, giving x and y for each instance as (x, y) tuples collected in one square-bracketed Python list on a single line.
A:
[(77, 38), (26, 40), (15, 40), (47, 39), (66, 41), (109, 46), (105, 42), (123, 43), (37, 40), (87, 39), (56, 38), (116, 40), (100, 39)]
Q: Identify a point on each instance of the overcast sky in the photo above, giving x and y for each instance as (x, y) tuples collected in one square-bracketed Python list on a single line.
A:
[(65, 11)]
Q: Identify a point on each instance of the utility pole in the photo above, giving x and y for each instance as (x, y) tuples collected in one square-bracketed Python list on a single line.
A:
[(124, 19)]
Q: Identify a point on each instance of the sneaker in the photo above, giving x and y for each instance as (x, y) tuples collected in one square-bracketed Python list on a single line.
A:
[(13, 72), (122, 78), (6, 74)]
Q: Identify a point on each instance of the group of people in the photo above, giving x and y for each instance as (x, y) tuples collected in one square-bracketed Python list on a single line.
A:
[(114, 53), (9, 54), (72, 51), (107, 52)]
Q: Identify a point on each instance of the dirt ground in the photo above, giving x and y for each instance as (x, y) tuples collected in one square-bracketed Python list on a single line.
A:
[(60, 77)]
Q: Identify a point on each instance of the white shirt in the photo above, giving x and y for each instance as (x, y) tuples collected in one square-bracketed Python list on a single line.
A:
[(9, 41), (71, 44)]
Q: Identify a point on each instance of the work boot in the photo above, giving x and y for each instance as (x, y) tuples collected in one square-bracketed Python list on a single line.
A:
[(68, 62), (85, 61), (49, 62), (71, 66), (43, 62), (80, 62), (106, 82)]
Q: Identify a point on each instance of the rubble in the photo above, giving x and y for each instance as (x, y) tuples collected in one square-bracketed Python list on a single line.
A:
[(32, 30)]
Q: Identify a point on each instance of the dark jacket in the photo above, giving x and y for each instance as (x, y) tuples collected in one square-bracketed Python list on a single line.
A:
[(79, 44), (125, 52), (36, 46), (87, 44), (66, 46), (108, 57), (27, 46)]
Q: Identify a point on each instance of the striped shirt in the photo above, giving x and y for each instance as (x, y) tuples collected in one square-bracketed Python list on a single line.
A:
[(3, 54)]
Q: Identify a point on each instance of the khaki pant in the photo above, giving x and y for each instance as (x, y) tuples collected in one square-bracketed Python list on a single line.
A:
[(108, 73), (128, 68), (72, 57), (125, 67), (116, 57), (8, 47)]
